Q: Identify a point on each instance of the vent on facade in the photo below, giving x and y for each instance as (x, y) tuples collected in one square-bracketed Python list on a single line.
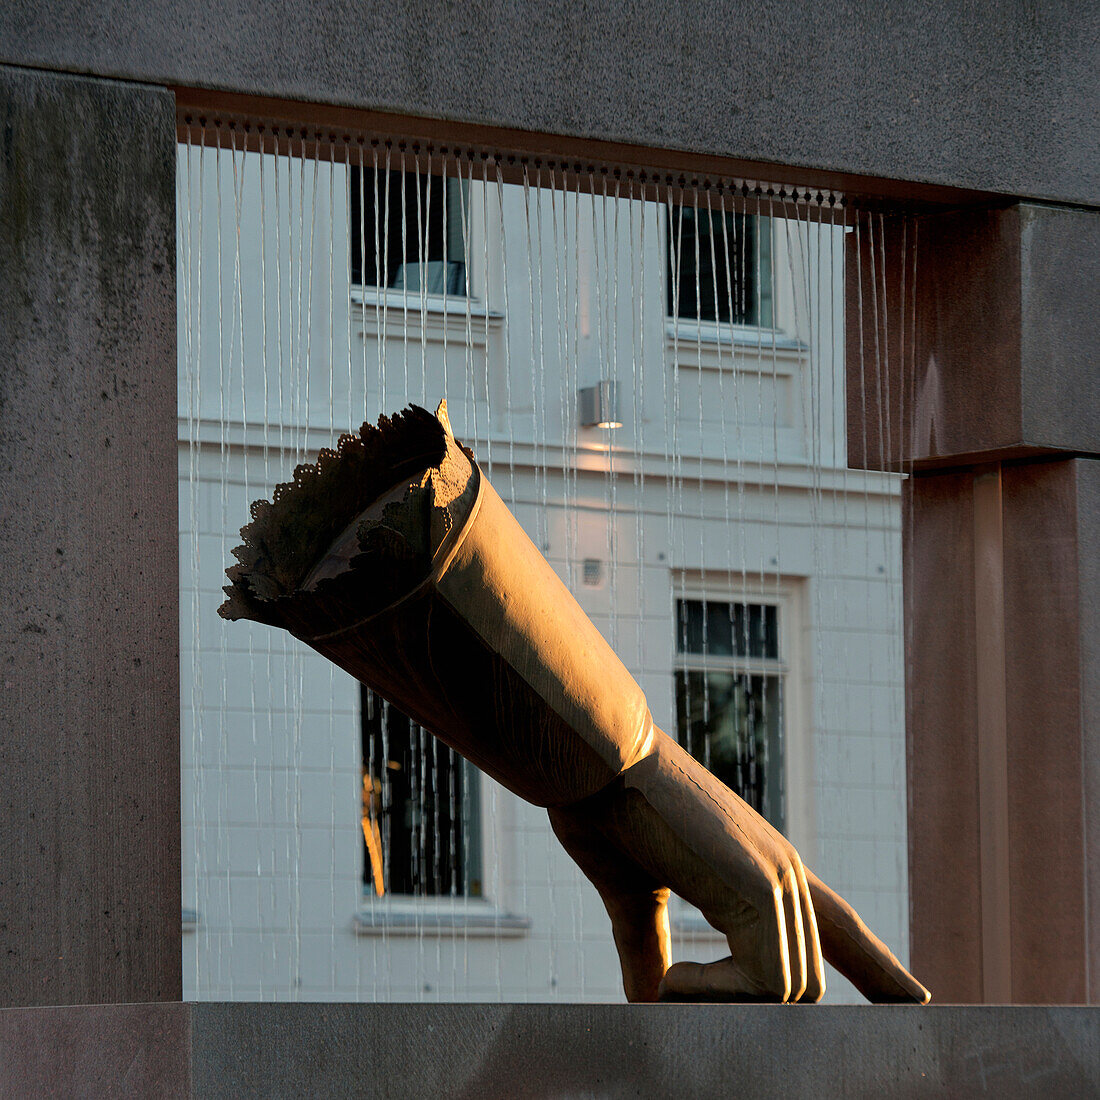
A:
[(593, 572)]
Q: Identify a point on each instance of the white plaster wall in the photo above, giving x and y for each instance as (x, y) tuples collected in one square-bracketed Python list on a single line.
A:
[(272, 849)]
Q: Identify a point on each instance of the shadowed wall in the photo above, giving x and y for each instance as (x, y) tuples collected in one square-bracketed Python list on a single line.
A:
[(89, 642), (1001, 98)]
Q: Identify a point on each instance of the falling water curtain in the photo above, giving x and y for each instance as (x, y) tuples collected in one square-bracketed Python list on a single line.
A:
[(704, 516)]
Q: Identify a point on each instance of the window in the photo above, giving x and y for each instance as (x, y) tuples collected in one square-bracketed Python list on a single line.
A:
[(719, 267), (420, 809), (729, 696), (406, 231)]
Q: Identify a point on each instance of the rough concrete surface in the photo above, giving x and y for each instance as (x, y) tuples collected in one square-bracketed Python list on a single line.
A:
[(1060, 326), (118, 1051), (1002, 97), (997, 355), (212, 1051), (89, 634), (633, 1050)]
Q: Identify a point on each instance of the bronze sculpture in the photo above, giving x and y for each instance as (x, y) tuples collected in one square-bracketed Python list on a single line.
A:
[(394, 557)]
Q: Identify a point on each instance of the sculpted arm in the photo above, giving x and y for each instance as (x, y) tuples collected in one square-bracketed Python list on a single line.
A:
[(395, 559)]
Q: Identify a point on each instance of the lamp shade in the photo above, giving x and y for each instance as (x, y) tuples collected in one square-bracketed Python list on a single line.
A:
[(599, 406)]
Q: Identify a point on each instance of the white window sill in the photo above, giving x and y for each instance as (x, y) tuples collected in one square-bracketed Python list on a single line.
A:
[(747, 336), (451, 305), (690, 922), (739, 666), (442, 918)]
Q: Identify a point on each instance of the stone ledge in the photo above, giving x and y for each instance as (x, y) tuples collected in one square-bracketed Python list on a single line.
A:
[(400, 1050)]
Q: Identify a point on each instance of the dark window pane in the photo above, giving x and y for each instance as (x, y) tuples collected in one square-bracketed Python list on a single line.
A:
[(419, 806), (723, 630), (704, 627), (689, 626), (730, 723), (719, 266), (406, 231), (763, 634), (719, 629)]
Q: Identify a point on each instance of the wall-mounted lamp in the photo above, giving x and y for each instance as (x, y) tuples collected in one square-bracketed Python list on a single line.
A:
[(600, 406)]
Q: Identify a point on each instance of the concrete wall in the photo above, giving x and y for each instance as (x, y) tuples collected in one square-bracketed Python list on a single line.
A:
[(1003, 99), (1004, 102), (89, 665), (1007, 373), (208, 1051), (1004, 858), (1001, 427)]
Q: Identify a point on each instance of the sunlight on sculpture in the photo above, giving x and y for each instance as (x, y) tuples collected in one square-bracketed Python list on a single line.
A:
[(395, 558)]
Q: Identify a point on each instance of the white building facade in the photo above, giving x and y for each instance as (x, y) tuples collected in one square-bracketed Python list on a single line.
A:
[(748, 581)]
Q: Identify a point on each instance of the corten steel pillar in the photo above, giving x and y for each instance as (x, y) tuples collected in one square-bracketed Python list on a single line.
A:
[(89, 629), (999, 422)]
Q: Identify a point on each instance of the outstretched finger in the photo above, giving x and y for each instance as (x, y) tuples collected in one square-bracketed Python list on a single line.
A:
[(796, 934), (859, 954), (815, 967)]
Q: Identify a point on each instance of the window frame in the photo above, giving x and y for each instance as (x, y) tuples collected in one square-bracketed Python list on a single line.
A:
[(769, 667), (712, 329), (467, 828), (415, 210), (452, 915), (787, 594), (775, 358)]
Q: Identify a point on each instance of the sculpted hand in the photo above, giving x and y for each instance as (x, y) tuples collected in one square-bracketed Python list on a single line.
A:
[(667, 823)]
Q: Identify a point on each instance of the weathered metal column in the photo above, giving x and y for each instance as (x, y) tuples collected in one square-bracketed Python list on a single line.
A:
[(999, 391)]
